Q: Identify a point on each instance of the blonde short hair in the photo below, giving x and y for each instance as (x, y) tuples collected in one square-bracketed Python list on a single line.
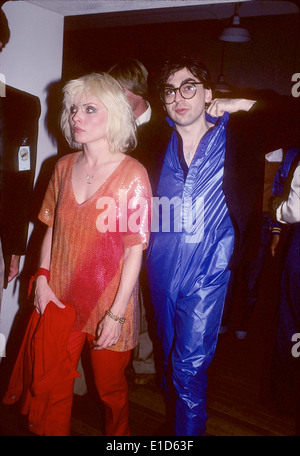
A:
[(132, 75), (121, 127)]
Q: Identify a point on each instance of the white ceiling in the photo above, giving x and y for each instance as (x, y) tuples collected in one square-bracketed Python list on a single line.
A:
[(219, 8), (75, 7)]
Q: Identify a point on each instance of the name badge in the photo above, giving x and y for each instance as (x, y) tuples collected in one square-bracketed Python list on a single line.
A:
[(24, 158)]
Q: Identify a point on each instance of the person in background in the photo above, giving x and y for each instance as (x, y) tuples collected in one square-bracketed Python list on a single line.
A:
[(209, 166), (285, 209), (263, 239), (97, 212), (18, 149), (151, 135)]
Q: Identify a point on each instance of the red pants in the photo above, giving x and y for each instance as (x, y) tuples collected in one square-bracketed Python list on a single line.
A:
[(111, 383)]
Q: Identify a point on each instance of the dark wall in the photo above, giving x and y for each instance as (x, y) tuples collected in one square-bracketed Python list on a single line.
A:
[(268, 61)]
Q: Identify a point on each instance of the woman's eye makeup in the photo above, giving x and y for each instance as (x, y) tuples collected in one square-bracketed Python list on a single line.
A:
[(88, 109), (73, 109)]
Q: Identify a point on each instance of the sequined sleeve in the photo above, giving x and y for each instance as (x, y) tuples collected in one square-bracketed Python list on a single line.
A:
[(47, 211), (138, 209)]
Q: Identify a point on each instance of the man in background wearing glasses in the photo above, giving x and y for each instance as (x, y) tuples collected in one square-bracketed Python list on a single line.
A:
[(212, 176)]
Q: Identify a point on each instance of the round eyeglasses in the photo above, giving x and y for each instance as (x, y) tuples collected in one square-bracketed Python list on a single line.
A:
[(187, 90)]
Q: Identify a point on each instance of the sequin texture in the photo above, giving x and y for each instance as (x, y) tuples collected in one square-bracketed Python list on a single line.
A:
[(86, 262)]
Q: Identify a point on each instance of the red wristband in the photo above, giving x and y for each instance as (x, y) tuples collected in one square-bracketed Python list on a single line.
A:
[(40, 271)]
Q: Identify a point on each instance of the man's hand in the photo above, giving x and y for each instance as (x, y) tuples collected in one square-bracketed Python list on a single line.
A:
[(274, 244), (220, 105), (13, 267)]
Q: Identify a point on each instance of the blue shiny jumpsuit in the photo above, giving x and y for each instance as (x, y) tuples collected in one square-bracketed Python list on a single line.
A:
[(187, 265)]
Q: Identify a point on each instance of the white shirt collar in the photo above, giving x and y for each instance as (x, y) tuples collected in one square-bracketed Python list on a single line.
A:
[(145, 117), (275, 156)]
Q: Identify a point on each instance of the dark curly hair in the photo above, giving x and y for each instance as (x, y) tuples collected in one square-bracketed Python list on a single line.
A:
[(195, 66)]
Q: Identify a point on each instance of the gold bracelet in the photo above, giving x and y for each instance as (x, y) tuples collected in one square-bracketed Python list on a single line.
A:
[(121, 320)]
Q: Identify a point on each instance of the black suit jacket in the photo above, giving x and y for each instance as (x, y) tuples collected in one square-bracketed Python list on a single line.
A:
[(272, 123), (153, 138), (19, 114)]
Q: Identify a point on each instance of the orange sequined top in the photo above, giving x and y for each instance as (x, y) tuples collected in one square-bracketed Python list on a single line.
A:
[(89, 241)]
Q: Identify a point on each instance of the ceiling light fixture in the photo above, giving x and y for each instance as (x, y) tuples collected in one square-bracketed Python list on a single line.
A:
[(235, 33), (221, 85)]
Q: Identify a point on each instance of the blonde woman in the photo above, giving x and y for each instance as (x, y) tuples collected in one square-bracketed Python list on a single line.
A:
[(97, 210)]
